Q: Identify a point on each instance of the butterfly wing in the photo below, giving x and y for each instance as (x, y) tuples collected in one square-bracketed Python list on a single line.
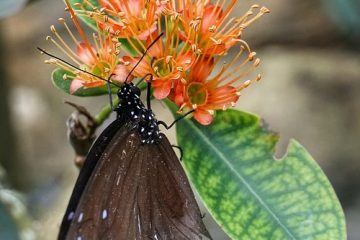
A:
[(92, 158), (137, 191)]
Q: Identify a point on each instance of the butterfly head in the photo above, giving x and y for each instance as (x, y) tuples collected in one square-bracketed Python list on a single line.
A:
[(129, 91)]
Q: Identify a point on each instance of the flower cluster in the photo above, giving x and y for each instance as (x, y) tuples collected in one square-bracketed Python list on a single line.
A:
[(186, 64)]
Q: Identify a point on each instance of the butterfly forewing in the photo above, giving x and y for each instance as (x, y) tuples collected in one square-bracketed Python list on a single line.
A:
[(137, 191), (92, 159)]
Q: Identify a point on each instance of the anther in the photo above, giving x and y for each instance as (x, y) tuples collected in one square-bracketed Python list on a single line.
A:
[(258, 77), (257, 62), (264, 10), (246, 83), (52, 28), (180, 69), (168, 59), (121, 14), (251, 56), (212, 28)]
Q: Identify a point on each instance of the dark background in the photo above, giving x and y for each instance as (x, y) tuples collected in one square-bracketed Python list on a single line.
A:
[(310, 91)]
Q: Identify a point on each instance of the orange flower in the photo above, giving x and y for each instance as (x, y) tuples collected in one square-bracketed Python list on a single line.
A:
[(205, 94), (124, 18), (167, 62), (99, 58), (208, 28)]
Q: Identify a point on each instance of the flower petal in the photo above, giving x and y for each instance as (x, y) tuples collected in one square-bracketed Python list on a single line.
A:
[(186, 60), (145, 34), (94, 84), (75, 85), (161, 88), (141, 69), (211, 16), (83, 51), (179, 93), (203, 116), (121, 72), (201, 69)]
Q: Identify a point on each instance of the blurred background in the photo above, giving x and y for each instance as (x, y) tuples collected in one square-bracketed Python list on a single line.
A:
[(310, 91)]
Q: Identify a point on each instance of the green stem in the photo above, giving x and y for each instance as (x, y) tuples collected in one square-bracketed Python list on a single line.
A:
[(105, 112)]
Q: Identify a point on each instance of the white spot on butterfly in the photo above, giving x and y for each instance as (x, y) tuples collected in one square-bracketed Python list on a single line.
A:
[(71, 215), (129, 103), (104, 214), (118, 180), (78, 238), (132, 113), (80, 218), (142, 129)]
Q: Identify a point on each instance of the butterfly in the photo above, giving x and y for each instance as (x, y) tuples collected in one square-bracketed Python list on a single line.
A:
[(132, 185)]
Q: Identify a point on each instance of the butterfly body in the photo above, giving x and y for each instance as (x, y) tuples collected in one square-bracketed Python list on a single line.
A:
[(132, 185), (131, 109)]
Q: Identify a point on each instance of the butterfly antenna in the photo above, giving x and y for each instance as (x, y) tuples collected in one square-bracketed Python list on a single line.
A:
[(75, 67), (143, 55)]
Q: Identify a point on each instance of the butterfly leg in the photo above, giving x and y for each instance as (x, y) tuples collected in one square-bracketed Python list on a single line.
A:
[(109, 92), (175, 121), (180, 150), (148, 96)]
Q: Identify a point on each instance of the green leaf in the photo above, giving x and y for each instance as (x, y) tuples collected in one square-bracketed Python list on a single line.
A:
[(128, 47), (89, 21), (251, 194), (64, 85)]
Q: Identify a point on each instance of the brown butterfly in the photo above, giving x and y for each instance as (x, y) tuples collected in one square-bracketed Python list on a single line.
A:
[(132, 185)]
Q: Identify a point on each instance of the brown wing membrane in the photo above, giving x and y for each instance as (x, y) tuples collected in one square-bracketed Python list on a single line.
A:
[(137, 192)]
